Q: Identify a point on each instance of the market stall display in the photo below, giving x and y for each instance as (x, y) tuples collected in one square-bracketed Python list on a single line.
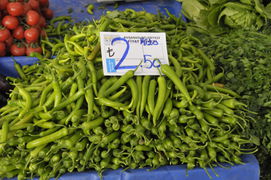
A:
[(130, 121)]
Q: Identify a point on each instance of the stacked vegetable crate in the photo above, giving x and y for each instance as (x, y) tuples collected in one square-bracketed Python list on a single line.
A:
[(142, 140)]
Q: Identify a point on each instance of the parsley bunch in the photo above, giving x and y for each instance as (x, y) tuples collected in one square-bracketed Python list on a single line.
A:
[(245, 58)]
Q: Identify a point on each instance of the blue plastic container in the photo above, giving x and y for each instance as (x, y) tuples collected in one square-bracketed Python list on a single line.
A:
[(79, 13), (249, 171)]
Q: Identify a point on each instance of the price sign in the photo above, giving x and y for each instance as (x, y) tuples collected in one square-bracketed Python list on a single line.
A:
[(122, 52)]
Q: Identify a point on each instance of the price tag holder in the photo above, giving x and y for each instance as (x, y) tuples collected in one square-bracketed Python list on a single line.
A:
[(124, 51)]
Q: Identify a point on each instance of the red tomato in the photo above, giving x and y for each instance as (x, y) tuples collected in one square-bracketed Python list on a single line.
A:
[(44, 3), (27, 7), (3, 4), (32, 17), (31, 49), (2, 49), (31, 35), (35, 4), (17, 50), (4, 34), (10, 22), (47, 13), (15, 8), (9, 42), (18, 33)]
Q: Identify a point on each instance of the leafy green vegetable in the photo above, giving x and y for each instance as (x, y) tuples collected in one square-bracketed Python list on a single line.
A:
[(218, 16), (192, 9), (236, 15)]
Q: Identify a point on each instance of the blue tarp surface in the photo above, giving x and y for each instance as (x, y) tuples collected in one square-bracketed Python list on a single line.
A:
[(79, 13), (62, 7)]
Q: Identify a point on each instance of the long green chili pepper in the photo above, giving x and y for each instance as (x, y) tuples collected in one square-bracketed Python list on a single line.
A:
[(82, 68), (167, 70), (47, 139), (107, 139), (27, 117), (60, 18), (89, 96), (45, 93), (118, 94), (4, 132), (129, 74), (70, 51), (94, 53), (107, 84), (151, 95), (113, 104), (162, 89), (93, 76), (126, 22), (28, 100), (176, 64), (168, 107), (145, 89), (19, 70), (222, 90), (206, 59), (78, 50), (86, 126), (63, 104), (88, 153), (139, 86), (135, 94), (73, 90), (48, 131), (58, 94)]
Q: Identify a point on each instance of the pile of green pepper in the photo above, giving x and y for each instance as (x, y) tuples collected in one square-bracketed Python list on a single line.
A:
[(64, 115)]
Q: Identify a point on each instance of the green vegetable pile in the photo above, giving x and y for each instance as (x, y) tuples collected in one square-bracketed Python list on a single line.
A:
[(245, 58), (64, 115), (218, 16)]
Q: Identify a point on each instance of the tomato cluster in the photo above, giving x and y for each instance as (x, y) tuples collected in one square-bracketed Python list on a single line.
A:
[(22, 25)]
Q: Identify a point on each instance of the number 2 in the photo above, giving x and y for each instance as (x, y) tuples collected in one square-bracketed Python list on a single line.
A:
[(124, 54)]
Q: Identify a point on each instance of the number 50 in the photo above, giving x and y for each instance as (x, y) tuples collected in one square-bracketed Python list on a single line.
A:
[(155, 63)]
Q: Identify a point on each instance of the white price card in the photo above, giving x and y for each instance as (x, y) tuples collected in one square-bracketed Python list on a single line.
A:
[(124, 51)]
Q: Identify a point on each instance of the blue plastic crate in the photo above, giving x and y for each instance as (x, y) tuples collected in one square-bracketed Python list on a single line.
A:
[(79, 13), (248, 171)]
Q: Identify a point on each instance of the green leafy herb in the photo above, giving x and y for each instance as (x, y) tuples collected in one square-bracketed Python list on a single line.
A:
[(245, 58)]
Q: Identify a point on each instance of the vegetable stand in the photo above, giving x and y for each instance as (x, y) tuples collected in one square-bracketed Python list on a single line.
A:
[(250, 168)]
